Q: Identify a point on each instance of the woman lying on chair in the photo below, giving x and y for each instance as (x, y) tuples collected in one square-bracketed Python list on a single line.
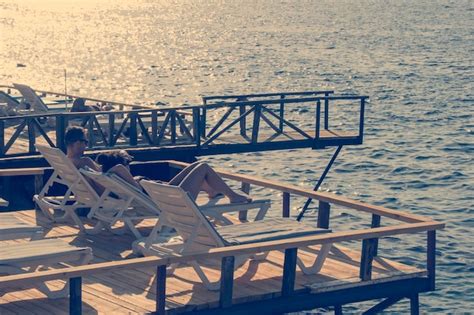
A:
[(193, 179)]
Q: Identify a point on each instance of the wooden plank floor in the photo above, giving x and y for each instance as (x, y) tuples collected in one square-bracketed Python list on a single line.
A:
[(133, 291)]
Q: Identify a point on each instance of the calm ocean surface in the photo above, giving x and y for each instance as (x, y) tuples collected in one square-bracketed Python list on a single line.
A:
[(415, 59)]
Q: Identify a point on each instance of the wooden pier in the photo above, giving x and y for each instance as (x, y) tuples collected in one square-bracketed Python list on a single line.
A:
[(221, 125), (118, 282)]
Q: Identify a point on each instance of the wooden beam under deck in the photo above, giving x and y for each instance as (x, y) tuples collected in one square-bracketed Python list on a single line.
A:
[(134, 290)]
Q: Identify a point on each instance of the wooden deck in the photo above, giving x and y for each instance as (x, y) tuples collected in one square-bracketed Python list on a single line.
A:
[(133, 291)]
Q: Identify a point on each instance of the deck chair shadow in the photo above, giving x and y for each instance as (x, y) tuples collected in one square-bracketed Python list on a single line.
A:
[(199, 235), (12, 228), (79, 194), (41, 254)]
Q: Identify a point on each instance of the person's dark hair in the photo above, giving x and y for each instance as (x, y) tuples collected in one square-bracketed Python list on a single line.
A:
[(110, 159), (74, 134)]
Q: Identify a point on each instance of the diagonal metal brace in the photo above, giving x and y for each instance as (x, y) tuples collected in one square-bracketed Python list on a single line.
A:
[(320, 181)]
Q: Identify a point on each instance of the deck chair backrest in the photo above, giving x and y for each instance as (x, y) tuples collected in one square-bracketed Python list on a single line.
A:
[(119, 187), (31, 97), (183, 215), (67, 171), (8, 99)]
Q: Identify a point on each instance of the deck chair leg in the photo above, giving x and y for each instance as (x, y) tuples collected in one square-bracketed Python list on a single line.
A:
[(98, 227), (319, 261), (132, 228)]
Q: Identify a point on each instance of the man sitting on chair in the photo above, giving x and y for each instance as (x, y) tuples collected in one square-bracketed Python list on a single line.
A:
[(193, 179)]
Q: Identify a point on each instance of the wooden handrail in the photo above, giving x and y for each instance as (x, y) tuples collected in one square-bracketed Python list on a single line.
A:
[(212, 97), (22, 171), (297, 242), (321, 196)]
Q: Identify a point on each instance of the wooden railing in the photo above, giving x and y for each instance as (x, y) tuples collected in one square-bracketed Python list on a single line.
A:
[(184, 125), (369, 237)]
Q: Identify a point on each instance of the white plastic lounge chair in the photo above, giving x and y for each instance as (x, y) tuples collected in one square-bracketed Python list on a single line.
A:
[(144, 207), (29, 256), (131, 203), (12, 228), (199, 235), (30, 96), (79, 194)]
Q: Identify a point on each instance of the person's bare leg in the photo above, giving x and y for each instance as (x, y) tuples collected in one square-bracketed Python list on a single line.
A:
[(181, 175), (192, 183)]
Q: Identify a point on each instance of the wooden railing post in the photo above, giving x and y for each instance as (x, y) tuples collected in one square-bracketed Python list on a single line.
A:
[(361, 119), (431, 258), (60, 132), (154, 126), (256, 123), (227, 281), (197, 127), (243, 121), (367, 256), (326, 111), (133, 129), (318, 120), (161, 290), (111, 129), (289, 272), (75, 296), (286, 205), (2, 137), (246, 189), (324, 212), (173, 126), (282, 112), (375, 224), (31, 135), (203, 119)]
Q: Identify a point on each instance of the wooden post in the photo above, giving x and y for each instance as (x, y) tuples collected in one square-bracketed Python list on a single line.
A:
[(324, 212), (31, 136), (318, 120), (197, 127), (173, 126), (246, 189), (60, 131), (227, 281), (256, 123), (289, 272), (111, 129), (431, 258), (361, 120), (2, 137), (286, 205), (203, 119), (161, 290), (133, 129), (282, 112), (414, 305), (75, 296), (326, 111), (367, 256), (154, 126), (243, 121), (338, 310), (375, 224)]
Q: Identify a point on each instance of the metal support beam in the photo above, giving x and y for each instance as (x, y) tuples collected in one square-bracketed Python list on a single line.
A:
[(377, 308), (320, 181)]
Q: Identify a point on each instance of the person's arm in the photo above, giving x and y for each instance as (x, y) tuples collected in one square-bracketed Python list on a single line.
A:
[(86, 161), (125, 174)]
